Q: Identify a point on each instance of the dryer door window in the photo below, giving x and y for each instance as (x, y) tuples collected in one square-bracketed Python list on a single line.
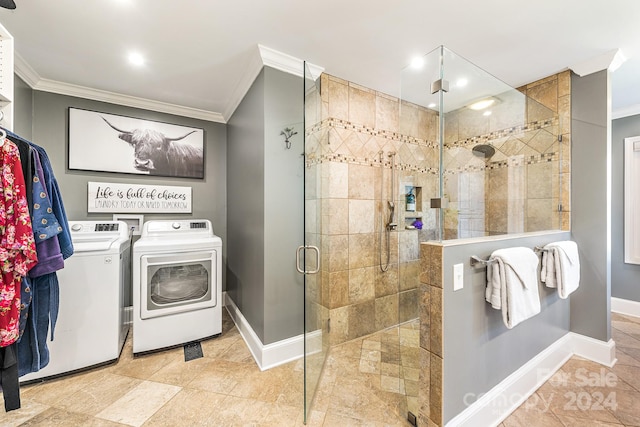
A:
[(177, 283)]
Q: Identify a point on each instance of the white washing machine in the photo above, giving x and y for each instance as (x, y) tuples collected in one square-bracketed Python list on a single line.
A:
[(177, 281), (91, 327)]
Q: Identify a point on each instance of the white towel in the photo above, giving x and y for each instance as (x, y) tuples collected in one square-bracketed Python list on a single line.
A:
[(561, 267), (512, 284)]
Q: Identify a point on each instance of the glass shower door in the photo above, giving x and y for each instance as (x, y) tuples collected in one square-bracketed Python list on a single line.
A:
[(316, 312)]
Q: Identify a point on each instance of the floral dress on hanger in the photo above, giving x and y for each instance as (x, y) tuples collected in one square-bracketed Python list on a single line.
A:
[(17, 244)]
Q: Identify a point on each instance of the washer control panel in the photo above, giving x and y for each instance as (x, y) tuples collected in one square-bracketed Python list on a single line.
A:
[(97, 235), (95, 226), (113, 226)]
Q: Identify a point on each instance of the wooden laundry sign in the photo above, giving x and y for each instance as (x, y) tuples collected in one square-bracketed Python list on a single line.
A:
[(134, 198)]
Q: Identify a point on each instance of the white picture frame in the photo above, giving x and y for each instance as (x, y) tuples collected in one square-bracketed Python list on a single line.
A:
[(632, 200), (105, 142)]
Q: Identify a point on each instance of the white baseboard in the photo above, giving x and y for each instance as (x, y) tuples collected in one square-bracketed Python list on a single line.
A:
[(266, 356), (494, 406), (274, 354), (625, 306), (595, 350)]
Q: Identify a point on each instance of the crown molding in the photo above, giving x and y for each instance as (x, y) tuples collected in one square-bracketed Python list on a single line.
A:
[(631, 110), (244, 84), (52, 86), (287, 63), (264, 56), (610, 60), (24, 70), (33, 79)]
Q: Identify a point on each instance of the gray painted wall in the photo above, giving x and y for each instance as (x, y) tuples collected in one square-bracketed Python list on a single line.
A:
[(265, 208), (590, 203), (49, 123), (22, 108), (625, 278), (479, 350), (265, 211), (284, 206), (245, 206)]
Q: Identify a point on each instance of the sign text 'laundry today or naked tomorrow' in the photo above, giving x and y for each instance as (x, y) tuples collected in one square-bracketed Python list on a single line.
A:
[(133, 198)]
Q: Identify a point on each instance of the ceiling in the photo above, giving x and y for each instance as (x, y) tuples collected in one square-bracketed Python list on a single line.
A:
[(201, 55)]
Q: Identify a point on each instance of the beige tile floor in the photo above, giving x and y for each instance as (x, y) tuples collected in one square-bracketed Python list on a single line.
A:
[(363, 384), (583, 393)]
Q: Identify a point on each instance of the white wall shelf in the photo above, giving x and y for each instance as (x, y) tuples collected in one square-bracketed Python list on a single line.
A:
[(6, 79)]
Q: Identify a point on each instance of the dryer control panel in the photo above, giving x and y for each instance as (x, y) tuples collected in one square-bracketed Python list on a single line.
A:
[(185, 228)]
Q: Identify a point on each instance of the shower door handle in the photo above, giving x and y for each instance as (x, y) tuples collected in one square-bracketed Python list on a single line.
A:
[(302, 270)]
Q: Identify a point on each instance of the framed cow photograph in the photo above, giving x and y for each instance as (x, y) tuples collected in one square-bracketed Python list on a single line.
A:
[(111, 143)]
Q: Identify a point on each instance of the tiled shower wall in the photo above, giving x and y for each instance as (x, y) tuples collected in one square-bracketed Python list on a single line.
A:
[(350, 154), (554, 92), (356, 128), (521, 187), (431, 337)]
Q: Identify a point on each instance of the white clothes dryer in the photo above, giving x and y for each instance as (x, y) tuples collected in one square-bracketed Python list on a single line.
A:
[(177, 284), (91, 327)]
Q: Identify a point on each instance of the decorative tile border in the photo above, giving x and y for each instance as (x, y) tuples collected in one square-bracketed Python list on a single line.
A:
[(341, 158), (395, 136), (392, 136), (483, 139), (512, 162), (520, 161)]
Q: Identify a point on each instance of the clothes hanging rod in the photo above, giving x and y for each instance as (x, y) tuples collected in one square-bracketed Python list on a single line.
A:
[(477, 262)]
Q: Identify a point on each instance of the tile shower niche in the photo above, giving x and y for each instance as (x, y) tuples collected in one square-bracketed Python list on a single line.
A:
[(412, 212)]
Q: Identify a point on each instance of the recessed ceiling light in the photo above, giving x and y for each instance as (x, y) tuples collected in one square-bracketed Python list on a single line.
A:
[(432, 105), (486, 113), (136, 59), (482, 104), (462, 82), (417, 62)]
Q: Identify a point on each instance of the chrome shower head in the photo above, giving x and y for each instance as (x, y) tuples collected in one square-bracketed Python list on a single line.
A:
[(484, 150)]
